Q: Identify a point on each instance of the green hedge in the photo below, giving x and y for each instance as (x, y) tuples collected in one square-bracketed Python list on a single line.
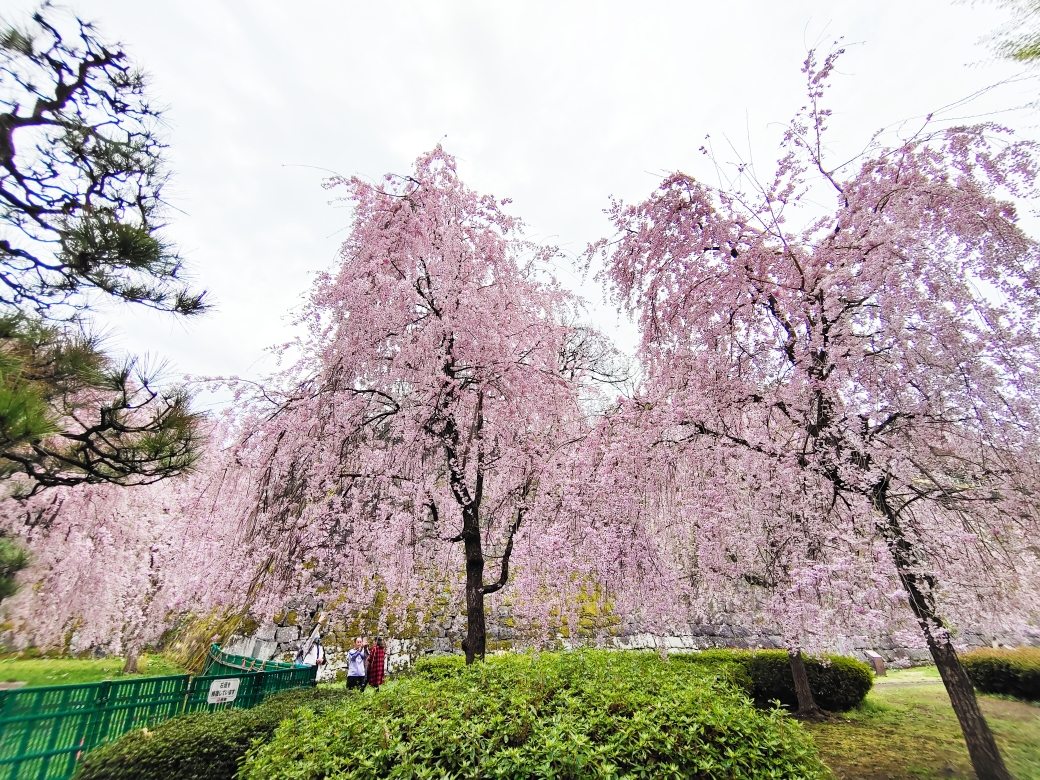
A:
[(1008, 672), (198, 746), (591, 714), (446, 667), (439, 667), (839, 684)]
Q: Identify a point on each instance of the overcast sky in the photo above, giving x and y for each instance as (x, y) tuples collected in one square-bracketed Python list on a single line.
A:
[(557, 105)]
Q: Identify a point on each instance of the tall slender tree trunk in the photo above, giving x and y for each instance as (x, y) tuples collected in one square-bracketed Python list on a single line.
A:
[(476, 629), (807, 707), (982, 747)]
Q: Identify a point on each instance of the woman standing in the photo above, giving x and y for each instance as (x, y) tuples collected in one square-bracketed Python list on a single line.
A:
[(377, 663), (357, 665), (315, 655)]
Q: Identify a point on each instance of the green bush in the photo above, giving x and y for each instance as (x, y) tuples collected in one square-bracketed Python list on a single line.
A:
[(573, 715), (197, 746), (839, 684), (724, 664), (1008, 672), (439, 667)]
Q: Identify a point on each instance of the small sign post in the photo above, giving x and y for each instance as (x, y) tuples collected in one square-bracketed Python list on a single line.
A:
[(877, 662), (223, 691)]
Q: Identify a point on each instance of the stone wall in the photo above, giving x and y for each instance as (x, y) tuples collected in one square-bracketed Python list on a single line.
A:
[(443, 634)]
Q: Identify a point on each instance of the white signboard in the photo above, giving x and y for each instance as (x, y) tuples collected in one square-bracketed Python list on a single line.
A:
[(223, 691)]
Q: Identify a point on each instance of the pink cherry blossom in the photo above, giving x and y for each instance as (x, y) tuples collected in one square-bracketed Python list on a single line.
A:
[(884, 354)]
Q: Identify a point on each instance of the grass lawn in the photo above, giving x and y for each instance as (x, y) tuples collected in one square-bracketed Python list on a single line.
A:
[(69, 671), (906, 730)]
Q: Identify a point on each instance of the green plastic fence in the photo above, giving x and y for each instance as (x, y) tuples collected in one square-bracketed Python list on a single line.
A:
[(219, 662), (44, 731)]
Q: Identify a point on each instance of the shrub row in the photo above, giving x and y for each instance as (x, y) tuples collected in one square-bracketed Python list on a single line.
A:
[(1008, 672), (838, 683), (198, 746), (590, 714), (439, 667)]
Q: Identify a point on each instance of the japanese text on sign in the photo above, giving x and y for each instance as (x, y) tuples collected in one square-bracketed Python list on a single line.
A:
[(223, 691)]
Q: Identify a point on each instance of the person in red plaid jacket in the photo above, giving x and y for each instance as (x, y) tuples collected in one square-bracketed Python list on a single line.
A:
[(377, 663)]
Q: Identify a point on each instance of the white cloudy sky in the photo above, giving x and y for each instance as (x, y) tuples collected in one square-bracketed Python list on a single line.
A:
[(557, 105)]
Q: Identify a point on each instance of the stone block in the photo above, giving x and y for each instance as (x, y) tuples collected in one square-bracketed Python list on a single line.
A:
[(238, 645), (287, 634), (267, 633), (876, 662), (265, 651)]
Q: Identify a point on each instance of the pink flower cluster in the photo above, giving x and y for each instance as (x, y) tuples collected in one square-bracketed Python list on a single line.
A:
[(834, 432)]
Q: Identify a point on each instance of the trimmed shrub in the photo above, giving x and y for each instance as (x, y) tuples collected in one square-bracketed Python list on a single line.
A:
[(590, 714), (439, 667), (839, 684), (197, 746), (724, 664), (1009, 672)]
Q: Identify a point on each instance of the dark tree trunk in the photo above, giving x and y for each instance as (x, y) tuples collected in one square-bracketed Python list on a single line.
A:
[(476, 630), (130, 667), (985, 757), (806, 703), (982, 747), (475, 643)]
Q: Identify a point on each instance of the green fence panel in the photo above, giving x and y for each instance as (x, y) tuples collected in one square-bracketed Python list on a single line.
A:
[(44, 731), (250, 692), (135, 704), (290, 679), (219, 662)]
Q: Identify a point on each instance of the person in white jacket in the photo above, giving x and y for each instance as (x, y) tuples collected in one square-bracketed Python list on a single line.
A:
[(357, 669), (316, 654)]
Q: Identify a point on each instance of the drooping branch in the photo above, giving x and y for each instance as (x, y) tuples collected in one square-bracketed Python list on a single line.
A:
[(518, 519)]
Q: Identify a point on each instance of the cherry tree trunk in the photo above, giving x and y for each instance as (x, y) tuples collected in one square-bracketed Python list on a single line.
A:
[(130, 667), (806, 703), (476, 631), (662, 648), (982, 747), (985, 757)]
